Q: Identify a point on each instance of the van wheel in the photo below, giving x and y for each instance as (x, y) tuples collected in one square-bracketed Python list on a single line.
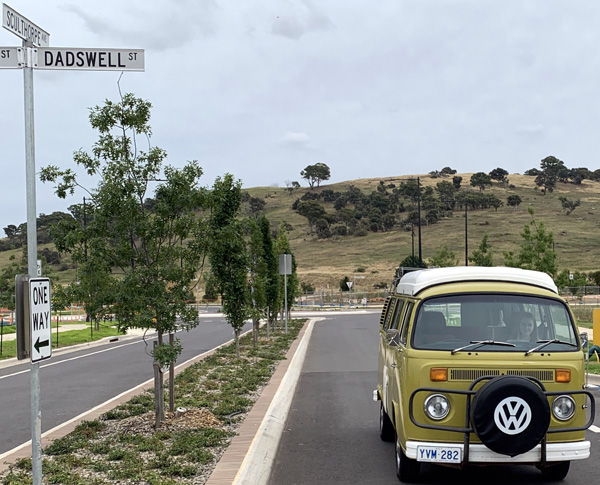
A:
[(407, 470), (386, 430), (555, 473)]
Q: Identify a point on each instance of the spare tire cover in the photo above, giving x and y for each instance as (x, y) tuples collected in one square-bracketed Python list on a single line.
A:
[(510, 415)]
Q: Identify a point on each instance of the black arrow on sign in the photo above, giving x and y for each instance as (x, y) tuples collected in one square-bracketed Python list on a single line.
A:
[(38, 344)]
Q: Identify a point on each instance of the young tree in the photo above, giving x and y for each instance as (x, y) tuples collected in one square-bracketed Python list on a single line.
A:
[(227, 253), (483, 255), (149, 258), (258, 275), (315, 174), (443, 257), (282, 246), (271, 260), (536, 251)]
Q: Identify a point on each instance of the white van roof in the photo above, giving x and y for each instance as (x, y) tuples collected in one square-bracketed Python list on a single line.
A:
[(414, 282)]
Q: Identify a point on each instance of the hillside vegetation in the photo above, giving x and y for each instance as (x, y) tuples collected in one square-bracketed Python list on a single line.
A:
[(323, 262)]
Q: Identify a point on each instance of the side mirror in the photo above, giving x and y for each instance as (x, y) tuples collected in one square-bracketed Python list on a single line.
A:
[(585, 343)]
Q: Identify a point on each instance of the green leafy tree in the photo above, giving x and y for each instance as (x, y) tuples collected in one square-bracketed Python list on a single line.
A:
[(569, 205), (227, 253), (483, 256), (315, 174), (456, 181), (271, 259), (149, 259), (548, 176), (312, 210), (481, 180), (536, 250), (258, 275), (412, 262), (443, 257), (344, 284), (500, 175), (513, 201)]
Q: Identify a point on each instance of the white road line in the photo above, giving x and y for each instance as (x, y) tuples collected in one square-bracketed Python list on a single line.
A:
[(594, 428), (70, 359)]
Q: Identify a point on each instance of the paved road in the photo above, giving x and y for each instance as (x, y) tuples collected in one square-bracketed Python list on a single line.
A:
[(331, 434), (74, 382)]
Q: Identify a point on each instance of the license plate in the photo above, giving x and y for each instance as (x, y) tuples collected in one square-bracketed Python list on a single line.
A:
[(439, 454)]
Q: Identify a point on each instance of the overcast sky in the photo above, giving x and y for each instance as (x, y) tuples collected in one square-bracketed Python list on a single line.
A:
[(263, 88)]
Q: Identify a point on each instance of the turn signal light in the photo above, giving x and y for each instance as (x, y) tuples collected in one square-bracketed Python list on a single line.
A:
[(438, 374), (562, 375)]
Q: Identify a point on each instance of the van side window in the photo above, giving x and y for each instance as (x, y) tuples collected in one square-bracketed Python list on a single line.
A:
[(390, 311), (408, 308), (397, 316)]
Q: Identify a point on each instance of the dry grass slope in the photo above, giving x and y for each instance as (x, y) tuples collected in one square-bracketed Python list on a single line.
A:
[(325, 262)]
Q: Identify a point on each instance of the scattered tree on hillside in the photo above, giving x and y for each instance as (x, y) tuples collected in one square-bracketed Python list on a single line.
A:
[(536, 250), (291, 186), (315, 174), (412, 261), (513, 201), (548, 176), (500, 175), (446, 171), (483, 256), (481, 180), (569, 205), (155, 256), (312, 210), (456, 181)]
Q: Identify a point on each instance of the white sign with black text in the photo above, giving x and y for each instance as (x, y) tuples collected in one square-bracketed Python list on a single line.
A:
[(40, 319)]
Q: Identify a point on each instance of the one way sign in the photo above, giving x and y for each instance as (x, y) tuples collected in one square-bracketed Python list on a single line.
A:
[(39, 316)]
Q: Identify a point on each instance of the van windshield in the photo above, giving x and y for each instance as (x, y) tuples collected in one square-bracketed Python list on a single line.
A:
[(454, 321)]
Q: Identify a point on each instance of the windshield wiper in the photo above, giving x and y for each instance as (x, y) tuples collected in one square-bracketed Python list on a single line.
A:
[(479, 343), (544, 343)]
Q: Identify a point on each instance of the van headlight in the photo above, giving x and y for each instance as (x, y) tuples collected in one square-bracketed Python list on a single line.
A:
[(563, 408), (437, 406)]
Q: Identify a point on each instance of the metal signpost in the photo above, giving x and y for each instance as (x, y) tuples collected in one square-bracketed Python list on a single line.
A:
[(285, 268), (36, 54)]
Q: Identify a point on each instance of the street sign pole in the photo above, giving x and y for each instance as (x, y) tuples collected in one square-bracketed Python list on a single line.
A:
[(34, 381)]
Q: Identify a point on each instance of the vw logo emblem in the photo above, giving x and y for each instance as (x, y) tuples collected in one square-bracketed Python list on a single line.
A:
[(512, 415)]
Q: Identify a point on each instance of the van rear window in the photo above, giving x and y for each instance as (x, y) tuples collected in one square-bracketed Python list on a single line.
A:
[(451, 321)]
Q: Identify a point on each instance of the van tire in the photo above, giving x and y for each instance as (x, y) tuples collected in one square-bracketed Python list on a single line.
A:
[(407, 470), (386, 429), (555, 473), (491, 405)]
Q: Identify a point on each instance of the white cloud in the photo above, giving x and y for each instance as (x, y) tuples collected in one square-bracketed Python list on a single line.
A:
[(295, 139), (295, 19)]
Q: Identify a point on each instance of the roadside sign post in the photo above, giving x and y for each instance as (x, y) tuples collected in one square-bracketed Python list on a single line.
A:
[(36, 54), (285, 268)]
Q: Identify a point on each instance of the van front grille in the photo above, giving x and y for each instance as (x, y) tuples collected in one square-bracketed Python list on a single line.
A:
[(472, 374)]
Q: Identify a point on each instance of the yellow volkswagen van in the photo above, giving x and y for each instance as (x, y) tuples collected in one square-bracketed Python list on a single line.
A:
[(481, 366)]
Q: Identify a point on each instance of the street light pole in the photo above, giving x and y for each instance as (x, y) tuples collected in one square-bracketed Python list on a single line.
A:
[(466, 239)]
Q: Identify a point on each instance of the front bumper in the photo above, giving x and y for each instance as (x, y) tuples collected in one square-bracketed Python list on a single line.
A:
[(479, 453)]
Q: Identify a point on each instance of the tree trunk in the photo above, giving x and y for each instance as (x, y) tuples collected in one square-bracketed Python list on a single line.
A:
[(159, 391), (237, 342), (172, 377), (255, 327)]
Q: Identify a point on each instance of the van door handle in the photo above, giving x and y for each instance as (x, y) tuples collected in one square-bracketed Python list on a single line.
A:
[(393, 366)]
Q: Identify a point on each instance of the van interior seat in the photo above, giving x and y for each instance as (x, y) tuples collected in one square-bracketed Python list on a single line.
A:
[(431, 327)]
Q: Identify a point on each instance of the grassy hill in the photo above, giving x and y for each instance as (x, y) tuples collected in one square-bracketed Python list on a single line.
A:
[(376, 255), (325, 262)]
